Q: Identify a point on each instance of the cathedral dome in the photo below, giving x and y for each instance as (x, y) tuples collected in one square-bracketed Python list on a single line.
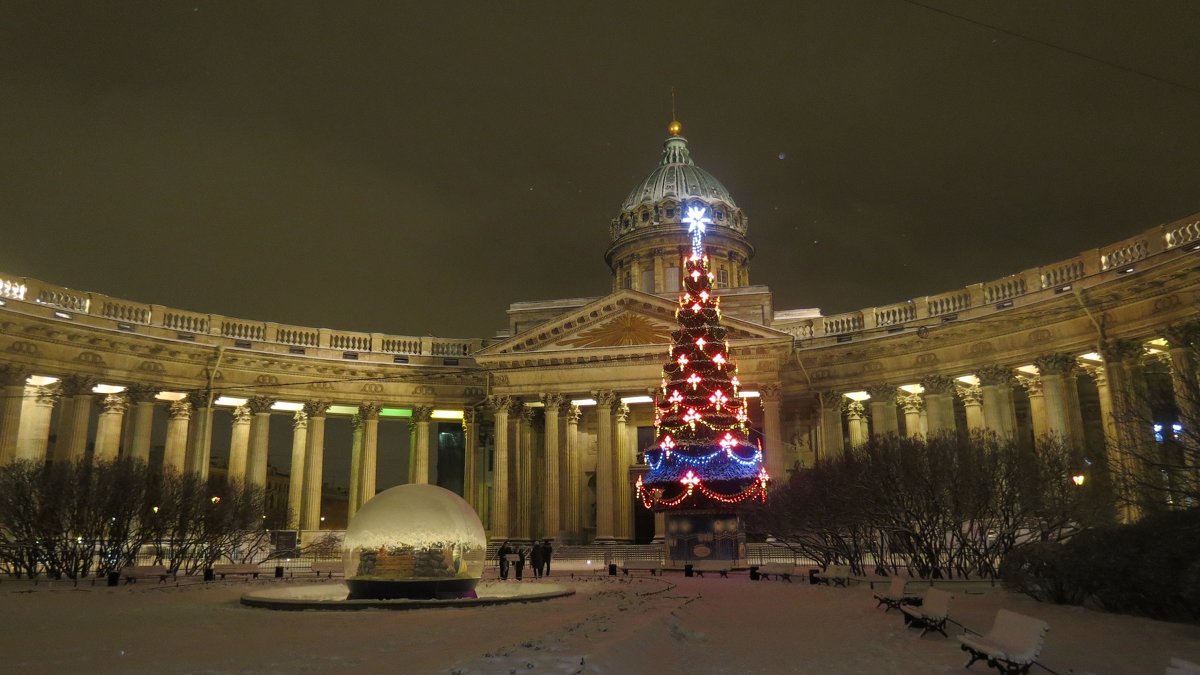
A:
[(677, 177)]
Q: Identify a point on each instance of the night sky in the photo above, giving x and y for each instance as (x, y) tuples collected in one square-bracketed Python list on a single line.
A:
[(414, 168)]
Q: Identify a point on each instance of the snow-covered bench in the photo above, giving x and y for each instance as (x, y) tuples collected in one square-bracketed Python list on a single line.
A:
[(1011, 646), (781, 571), (932, 614), (654, 568), (834, 575), (894, 596), (236, 570), (131, 573), (720, 566)]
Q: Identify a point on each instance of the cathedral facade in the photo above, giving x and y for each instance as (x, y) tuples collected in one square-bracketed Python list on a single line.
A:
[(542, 428)]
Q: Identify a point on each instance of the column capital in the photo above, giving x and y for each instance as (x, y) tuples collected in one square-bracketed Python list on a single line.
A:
[(554, 402), (299, 420), (180, 410), (574, 414), (937, 384), (422, 413), (198, 399), (115, 403), (622, 412), (529, 414), (470, 416), (260, 404), (12, 374), (855, 410), (1055, 364), (971, 394), (502, 404), (315, 408), (242, 414), (994, 375), (1097, 373), (1121, 349), (1185, 334), (606, 400), (141, 392), (356, 422), (77, 385), (830, 400), (912, 403), (882, 393), (369, 411), (771, 392), (1031, 383)]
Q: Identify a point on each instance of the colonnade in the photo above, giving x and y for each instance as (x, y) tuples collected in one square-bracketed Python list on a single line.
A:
[(125, 421)]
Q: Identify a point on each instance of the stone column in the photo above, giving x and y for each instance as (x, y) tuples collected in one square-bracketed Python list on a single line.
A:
[(1182, 340), (939, 404), (296, 477), (622, 487), (1053, 369), (995, 383), (179, 417), (422, 467), (883, 409), (369, 412), (74, 434), (574, 475), (832, 443), (200, 435), (913, 404), (972, 398), (606, 403), (856, 414), (108, 428), (356, 424), (12, 388), (471, 463), (137, 444), (552, 480), (771, 398), (1120, 357), (502, 405), (260, 430), (314, 465), (523, 465), (239, 445), (1037, 405), (34, 433)]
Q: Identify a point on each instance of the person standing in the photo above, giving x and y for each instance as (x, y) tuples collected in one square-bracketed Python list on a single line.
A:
[(520, 561), (536, 559), (547, 549), (502, 553)]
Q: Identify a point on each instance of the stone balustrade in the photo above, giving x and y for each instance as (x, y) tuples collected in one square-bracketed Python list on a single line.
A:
[(1157, 245), (37, 297)]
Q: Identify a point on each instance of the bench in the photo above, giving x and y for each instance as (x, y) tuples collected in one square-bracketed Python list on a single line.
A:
[(131, 573), (654, 568), (236, 570), (834, 575), (932, 614), (328, 569), (781, 571), (1013, 644), (701, 566), (894, 596)]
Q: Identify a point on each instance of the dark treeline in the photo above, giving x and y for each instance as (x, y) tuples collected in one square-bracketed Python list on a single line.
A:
[(80, 519), (941, 507)]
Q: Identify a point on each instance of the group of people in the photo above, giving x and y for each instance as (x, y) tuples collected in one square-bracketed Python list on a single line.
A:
[(538, 557)]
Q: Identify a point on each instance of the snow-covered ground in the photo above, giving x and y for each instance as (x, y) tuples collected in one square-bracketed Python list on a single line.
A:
[(611, 625)]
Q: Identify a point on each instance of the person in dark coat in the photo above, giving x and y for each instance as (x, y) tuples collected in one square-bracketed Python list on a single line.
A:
[(502, 553), (520, 561), (547, 549), (536, 558)]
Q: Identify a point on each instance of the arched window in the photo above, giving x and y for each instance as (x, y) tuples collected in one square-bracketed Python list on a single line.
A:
[(723, 277)]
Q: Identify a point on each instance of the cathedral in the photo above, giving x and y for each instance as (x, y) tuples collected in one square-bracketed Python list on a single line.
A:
[(543, 428)]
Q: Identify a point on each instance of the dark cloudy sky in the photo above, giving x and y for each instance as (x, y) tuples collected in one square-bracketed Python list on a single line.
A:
[(414, 168)]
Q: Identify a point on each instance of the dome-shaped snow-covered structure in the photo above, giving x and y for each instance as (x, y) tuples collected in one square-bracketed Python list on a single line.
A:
[(414, 541)]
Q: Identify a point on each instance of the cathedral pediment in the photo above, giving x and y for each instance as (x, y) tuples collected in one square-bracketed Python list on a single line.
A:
[(627, 322)]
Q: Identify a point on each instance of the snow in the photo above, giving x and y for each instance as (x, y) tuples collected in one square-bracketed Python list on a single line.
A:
[(611, 625)]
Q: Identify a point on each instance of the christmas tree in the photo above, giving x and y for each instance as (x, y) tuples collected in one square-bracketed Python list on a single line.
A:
[(702, 456)]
